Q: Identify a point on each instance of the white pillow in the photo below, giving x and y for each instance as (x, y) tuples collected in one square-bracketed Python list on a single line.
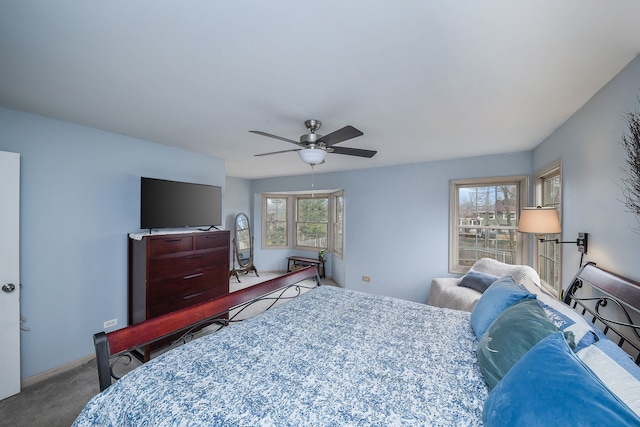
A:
[(568, 320), (615, 369)]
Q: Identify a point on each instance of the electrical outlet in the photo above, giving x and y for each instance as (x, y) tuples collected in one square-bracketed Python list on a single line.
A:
[(366, 279), (110, 323), (583, 239)]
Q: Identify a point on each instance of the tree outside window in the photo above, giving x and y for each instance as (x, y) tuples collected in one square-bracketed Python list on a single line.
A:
[(312, 222), (275, 222)]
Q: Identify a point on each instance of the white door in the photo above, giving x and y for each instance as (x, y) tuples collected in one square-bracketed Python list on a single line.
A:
[(9, 274)]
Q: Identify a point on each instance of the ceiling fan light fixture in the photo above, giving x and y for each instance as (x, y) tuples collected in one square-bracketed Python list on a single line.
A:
[(312, 156)]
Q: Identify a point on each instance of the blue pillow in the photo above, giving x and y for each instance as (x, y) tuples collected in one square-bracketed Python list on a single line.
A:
[(550, 386), (502, 294), (510, 336), (477, 280)]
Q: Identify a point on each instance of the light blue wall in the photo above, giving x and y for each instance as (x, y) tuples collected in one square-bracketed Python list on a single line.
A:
[(589, 145), (237, 199), (397, 220), (80, 196)]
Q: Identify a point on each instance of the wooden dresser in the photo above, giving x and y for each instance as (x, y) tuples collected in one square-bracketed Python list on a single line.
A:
[(171, 271)]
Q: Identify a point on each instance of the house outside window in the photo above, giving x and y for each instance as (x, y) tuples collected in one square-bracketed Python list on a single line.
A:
[(275, 221), (548, 255), (500, 198)]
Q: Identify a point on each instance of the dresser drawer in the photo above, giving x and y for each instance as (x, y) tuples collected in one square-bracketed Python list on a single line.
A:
[(211, 240), (184, 286), (176, 302), (185, 263), (170, 245)]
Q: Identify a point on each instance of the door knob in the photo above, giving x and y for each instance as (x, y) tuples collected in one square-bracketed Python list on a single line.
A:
[(9, 287)]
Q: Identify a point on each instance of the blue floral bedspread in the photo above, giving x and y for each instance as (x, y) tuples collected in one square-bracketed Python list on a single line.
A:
[(331, 357)]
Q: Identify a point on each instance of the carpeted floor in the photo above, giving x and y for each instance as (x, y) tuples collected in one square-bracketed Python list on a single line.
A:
[(57, 401)]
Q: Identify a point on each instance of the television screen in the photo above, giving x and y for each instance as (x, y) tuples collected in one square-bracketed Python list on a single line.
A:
[(166, 204)]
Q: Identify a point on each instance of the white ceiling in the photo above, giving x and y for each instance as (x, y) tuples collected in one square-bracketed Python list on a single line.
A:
[(423, 79)]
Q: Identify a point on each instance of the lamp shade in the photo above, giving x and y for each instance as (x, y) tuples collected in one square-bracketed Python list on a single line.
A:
[(537, 220), (313, 156)]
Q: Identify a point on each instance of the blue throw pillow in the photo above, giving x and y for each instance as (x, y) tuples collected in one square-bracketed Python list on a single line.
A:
[(477, 280), (550, 386), (502, 294), (510, 337)]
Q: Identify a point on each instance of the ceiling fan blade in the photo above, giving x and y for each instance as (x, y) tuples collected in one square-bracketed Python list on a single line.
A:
[(275, 136), (353, 152), (277, 152), (340, 135)]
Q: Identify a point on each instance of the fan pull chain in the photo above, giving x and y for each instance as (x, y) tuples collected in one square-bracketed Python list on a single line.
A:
[(312, 195)]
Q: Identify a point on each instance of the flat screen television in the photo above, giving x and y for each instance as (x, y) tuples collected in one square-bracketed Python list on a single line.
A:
[(170, 204)]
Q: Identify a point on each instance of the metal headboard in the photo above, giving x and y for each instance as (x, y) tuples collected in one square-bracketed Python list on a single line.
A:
[(611, 302)]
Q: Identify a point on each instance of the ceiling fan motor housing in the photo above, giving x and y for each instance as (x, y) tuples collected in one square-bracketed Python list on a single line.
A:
[(309, 140)]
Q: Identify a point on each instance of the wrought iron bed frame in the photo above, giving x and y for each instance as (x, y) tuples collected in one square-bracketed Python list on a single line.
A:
[(112, 346), (616, 297)]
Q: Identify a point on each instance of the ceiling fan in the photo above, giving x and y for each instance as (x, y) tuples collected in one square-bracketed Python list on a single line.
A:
[(314, 147)]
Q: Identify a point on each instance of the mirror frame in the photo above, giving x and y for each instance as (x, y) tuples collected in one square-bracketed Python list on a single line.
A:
[(248, 266)]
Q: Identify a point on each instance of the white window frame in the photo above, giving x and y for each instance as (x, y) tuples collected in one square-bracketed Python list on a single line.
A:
[(522, 243)]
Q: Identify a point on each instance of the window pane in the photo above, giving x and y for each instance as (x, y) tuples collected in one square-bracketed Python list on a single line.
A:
[(275, 224), (338, 224), (313, 210), (496, 243), (548, 252), (486, 223), (551, 191), (312, 225)]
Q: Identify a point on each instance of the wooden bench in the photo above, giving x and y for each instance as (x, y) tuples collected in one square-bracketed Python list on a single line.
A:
[(302, 261)]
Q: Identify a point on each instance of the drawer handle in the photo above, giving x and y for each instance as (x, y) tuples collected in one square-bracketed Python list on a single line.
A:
[(193, 256), (171, 240), (192, 295), (193, 276)]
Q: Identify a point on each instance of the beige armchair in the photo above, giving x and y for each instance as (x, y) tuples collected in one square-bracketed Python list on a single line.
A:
[(445, 291)]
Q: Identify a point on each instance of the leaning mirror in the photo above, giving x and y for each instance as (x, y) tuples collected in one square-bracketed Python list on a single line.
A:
[(243, 247)]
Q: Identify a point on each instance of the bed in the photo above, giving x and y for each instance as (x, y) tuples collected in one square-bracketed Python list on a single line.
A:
[(338, 357)]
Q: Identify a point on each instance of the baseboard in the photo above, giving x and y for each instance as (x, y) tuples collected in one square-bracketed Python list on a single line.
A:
[(55, 371)]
